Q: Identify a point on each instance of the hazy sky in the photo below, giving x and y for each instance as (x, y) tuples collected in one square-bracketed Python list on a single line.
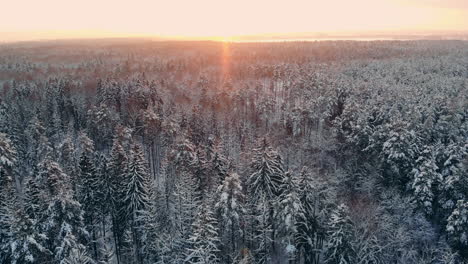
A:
[(226, 18)]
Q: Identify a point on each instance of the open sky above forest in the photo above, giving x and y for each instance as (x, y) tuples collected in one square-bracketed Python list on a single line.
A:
[(222, 19)]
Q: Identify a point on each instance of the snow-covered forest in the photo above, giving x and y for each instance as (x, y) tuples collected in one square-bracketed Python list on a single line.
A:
[(134, 151)]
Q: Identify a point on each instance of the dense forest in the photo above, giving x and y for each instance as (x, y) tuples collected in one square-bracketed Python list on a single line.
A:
[(136, 151)]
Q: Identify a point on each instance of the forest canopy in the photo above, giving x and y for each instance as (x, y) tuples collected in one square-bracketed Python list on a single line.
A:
[(135, 151)]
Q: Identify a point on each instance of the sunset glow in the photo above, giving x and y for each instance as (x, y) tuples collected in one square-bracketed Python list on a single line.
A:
[(218, 19)]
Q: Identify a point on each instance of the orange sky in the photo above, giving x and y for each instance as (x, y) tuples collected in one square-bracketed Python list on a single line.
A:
[(224, 18)]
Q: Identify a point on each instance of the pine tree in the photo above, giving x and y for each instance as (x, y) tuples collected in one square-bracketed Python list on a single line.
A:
[(340, 232), (311, 219), (151, 227), (7, 155), (27, 242), (62, 221), (262, 220), (425, 177), (454, 185), (116, 182), (398, 152), (217, 163), (78, 256), (230, 209), (7, 194), (64, 227), (137, 196), (200, 173), (183, 208), (203, 243), (89, 189), (267, 172), (264, 184), (67, 156), (184, 155), (457, 226), (289, 209), (34, 131)]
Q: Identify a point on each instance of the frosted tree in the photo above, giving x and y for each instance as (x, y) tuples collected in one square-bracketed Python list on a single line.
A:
[(78, 256), (264, 182), (184, 155), (454, 185), (89, 188), (229, 207), (340, 234), (27, 243), (67, 155), (289, 209), (311, 218), (34, 131), (7, 195), (137, 196), (218, 164), (63, 222), (457, 226), (186, 200), (151, 226), (262, 231), (64, 227), (399, 151), (200, 173), (7, 154), (116, 182), (267, 171), (425, 177), (204, 242)]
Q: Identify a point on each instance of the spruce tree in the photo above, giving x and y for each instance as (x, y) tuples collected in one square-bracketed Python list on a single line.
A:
[(340, 234), (7, 194), (425, 178), (117, 173), (264, 184), (311, 218), (457, 226), (229, 207), (88, 189), (28, 243), (267, 171), (137, 196), (204, 241), (289, 209), (62, 221)]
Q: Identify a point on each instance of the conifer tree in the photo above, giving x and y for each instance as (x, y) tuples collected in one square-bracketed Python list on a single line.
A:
[(62, 221), (229, 207), (264, 182), (340, 234), (28, 243), (425, 178), (137, 196), (89, 189), (78, 256), (204, 241), (454, 185), (267, 171), (311, 218), (262, 231), (185, 202), (457, 226), (116, 181), (218, 165), (289, 209), (7, 194)]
